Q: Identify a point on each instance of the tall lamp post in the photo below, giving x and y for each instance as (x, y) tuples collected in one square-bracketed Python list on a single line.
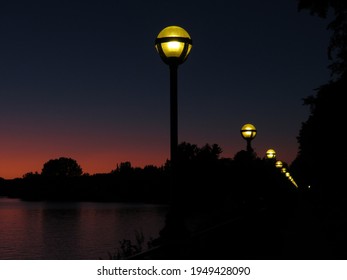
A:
[(248, 132), (173, 44)]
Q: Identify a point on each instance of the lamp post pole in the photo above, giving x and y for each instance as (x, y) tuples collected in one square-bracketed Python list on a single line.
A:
[(249, 147), (173, 44), (173, 122)]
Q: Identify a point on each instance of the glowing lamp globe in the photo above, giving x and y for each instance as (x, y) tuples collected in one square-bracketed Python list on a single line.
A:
[(270, 154), (248, 131), (173, 44), (279, 164)]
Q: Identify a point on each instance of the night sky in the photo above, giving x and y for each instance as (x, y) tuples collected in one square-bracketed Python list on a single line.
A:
[(82, 79)]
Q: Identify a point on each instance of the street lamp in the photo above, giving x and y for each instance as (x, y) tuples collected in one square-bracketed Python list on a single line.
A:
[(279, 164), (270, 154), (173, 44), (248, 132)]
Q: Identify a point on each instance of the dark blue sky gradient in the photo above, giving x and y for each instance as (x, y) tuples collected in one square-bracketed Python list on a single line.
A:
[(82, 79)]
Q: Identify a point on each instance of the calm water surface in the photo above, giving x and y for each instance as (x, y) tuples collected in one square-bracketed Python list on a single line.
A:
[(67, 231)]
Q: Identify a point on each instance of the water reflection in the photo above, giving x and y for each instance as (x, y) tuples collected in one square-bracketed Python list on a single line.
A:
[(41, 230)]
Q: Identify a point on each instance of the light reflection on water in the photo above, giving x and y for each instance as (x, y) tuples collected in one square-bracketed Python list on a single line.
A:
[(85, 230)]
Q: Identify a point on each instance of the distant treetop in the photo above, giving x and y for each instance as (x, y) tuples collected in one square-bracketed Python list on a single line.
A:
[(61, 167)]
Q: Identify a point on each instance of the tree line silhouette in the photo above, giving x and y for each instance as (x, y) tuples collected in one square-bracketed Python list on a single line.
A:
[(62, 179), (203, 177)]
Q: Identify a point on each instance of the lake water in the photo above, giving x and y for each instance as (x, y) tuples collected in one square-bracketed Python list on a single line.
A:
[(72, 231)]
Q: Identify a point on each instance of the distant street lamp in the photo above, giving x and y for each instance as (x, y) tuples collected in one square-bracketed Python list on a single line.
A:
[(173, 44), (279, 164), (270, 154), (248, 132)]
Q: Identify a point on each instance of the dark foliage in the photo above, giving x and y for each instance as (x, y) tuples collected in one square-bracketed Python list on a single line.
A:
[(61, 167), (321, 156), (213, 189)]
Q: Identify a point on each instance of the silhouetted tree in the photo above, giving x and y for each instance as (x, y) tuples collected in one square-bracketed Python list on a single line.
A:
[(61, 167), (31, 175), (187, 151), (198, 171), (209, 152), (321, 154), (191, 152), (124, 168)]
